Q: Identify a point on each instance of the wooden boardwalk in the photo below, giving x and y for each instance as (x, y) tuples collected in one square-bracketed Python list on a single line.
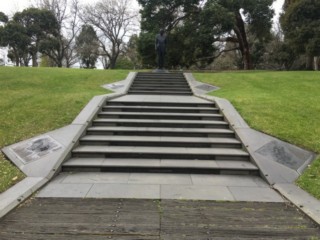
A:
[(96, 219)]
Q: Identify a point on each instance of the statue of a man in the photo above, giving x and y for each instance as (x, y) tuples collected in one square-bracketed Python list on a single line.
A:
[(160, 44)]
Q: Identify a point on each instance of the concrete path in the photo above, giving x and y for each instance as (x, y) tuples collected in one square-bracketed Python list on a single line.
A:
[(160, 186)]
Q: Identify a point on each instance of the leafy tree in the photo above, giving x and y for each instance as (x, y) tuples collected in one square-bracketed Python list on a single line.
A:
[(210, 22), (15, 36), (3, 18), (87, 46), (60, 48), (131, 51), (300, 24), (38, 24), (113, 20)]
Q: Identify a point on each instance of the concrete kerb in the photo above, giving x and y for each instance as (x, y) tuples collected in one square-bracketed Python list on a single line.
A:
[(42, 171), (280, 177)]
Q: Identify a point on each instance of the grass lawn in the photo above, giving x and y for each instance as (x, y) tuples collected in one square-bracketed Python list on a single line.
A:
[(282, 104), (36, 100)]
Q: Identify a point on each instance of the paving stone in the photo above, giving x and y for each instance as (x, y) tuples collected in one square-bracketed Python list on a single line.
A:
[(90, 177), (75, 190), (124, 191), (188, 192), (190, 163), (160, 98), (227, 181), (132, 162), (255, 194), (236, 164), (158, 178)]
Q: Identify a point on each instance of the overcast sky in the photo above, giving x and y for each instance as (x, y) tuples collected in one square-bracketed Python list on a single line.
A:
[(11, 6)]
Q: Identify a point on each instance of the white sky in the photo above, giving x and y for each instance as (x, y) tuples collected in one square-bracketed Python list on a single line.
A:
[(9, 7)]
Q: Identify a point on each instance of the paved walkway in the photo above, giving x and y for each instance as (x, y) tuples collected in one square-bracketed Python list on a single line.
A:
[(95, 219), (160, 186)]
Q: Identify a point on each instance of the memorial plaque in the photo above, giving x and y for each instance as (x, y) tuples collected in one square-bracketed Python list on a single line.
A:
[(36, 149), (115, 86), (207, 87), (283, 154)]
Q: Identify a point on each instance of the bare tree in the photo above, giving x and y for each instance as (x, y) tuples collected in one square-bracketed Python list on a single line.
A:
[(66, 12), (114, 21)]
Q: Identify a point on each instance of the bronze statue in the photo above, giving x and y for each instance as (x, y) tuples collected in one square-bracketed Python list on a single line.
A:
[(160, 45)]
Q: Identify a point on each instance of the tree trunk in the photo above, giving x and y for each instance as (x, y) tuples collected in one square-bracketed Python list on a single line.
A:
[(243, 42), (316, 61), (112, 64), (309, 63), (34, 60)]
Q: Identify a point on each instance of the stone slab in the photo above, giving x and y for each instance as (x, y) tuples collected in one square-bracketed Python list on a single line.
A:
[(304, 201), (228, 180), (150, 178), (199, 87), (48, 164), (255, 194), (75, 190), (121, 86), (276, 165), (91, 178), (124, 191), (187, 192), (161, 98), (18, 193)]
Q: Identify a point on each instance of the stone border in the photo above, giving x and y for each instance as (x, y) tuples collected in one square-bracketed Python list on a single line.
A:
[(279, 176), (42, 171)]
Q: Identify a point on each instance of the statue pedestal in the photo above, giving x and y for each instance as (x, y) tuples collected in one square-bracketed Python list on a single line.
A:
[(160, 71)]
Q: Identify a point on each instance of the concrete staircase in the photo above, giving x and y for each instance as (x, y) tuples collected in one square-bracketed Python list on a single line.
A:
[(160, 84), (160, 137)]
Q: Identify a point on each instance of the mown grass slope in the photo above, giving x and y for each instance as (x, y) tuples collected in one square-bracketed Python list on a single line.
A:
[(283, 104), (36, 100)]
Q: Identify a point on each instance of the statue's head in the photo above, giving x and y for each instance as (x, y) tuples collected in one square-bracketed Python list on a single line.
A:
[(162, 31)]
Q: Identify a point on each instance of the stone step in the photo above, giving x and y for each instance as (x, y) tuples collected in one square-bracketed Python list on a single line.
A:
[(136, 92), (160, 104), (159, 109), (160, 165), (160, 84), (160, 141), (160, 81), (143, 115), (169, 77), (160, 153), (160, 123), (164, 88), (169, 132)]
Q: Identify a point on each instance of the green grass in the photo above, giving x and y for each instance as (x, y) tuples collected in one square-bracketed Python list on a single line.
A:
[(36, 100), (282, 104)]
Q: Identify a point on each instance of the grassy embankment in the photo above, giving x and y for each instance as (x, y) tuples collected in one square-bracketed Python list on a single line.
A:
[(35, 101), (282, 104)]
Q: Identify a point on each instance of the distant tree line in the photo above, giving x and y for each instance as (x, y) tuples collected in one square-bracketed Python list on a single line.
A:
[(63, 32), (232, 34), (202, 34)]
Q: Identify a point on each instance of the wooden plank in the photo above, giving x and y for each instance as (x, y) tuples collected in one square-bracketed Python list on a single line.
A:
[(95, 219), (196, 220)]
